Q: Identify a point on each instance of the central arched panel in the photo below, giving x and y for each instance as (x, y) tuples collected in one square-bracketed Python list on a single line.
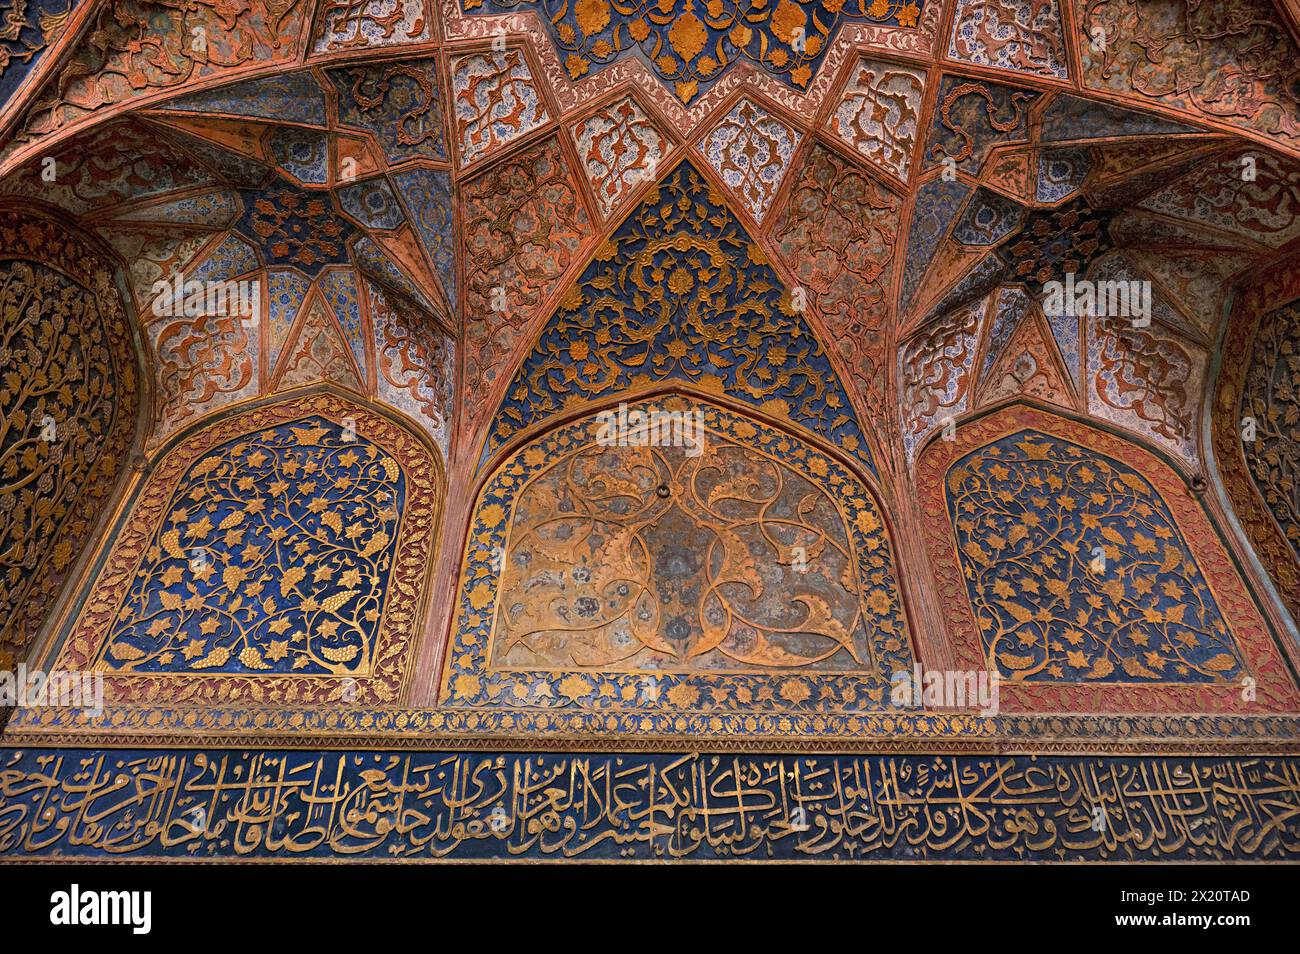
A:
[(672, 555)]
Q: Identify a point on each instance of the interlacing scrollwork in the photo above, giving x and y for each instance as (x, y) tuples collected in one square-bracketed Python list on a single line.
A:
[(650, 557), (1230, 60), (738, 567)]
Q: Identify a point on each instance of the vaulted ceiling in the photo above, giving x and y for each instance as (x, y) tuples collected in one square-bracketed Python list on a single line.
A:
[(420, 186)]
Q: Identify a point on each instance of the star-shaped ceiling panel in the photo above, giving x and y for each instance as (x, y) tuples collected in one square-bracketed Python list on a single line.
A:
[(1024, 190)]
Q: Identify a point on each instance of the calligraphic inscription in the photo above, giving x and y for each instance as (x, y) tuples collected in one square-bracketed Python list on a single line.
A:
[(275, 555), (681, 292), (692, 47), (743, 573), (84, 804), (1077, 570)]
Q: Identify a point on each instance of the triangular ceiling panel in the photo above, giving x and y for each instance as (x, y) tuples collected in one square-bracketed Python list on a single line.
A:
[(317, 353), (936, 206), (211, 209), (339, 289), (286, 292), (1119, 268), (428, 195), (1028, 366), (236, 135), (1010, 307), (680, 292), (1065, 329), (1197, 283)]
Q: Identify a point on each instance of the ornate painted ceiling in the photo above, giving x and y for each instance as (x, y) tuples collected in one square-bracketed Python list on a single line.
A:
[(832, 227), (444, 175)]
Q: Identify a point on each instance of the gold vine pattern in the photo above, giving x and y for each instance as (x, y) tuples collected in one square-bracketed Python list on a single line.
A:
[(67, 413), (272, 558), (1076, 570)]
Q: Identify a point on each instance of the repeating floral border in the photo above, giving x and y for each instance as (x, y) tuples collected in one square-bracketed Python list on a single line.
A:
[(401, 616), (1275, 690), (467, 729)]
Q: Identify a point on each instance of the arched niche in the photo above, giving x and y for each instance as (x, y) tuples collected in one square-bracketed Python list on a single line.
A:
[(1256, 426), (276, 554), (739, 571), (70, 397), (1081, 568)]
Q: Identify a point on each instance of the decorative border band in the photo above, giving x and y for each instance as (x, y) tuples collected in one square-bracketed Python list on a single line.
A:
[(372, 805)]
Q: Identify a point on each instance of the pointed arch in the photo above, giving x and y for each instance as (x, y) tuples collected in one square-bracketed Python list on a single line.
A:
[(1253, 426), (1079, 566), (275, 553), (680, 292), (600, 561)]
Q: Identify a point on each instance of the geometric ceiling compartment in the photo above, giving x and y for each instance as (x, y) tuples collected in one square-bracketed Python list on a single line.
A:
[(346, 27), (880, 112), (496, 101), (750, 149), (1026, 38), (619, 147)]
